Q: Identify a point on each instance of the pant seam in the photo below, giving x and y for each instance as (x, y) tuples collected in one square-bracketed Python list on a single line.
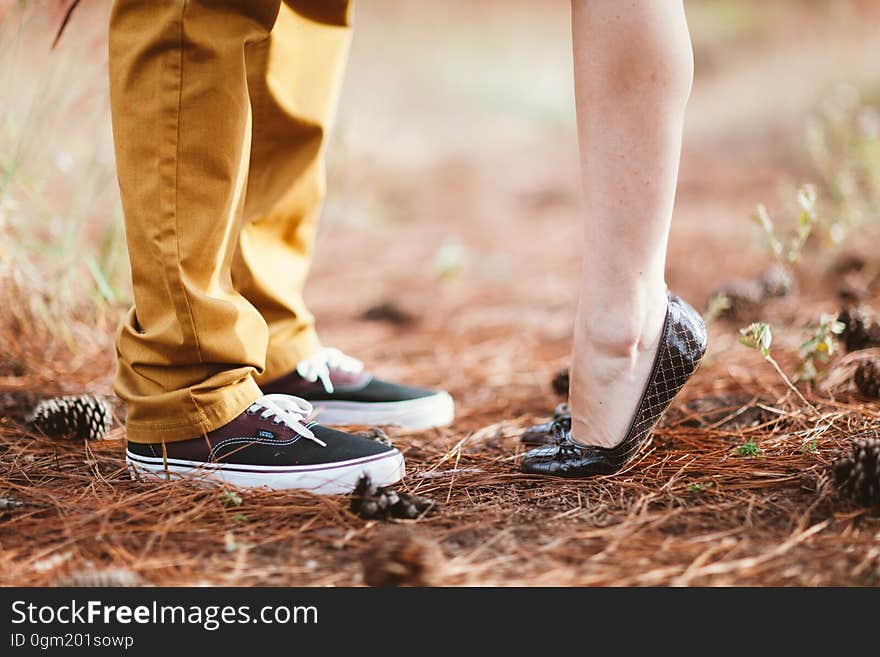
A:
[(186, 300), (203, 416)]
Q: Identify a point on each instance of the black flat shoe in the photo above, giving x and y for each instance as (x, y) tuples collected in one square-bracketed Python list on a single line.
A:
[(682, 345), (542, 434)]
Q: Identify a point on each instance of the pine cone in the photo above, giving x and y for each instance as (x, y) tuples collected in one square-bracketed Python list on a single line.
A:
[(373, 503), (398, 557), (867, 379), (560, 383), (412, 506), (777, 281), (857, 474), (861, 330), (388, 311), (376, 434), (83, 417)]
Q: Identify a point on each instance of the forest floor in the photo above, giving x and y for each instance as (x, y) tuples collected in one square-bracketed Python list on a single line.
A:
[(454, 196)]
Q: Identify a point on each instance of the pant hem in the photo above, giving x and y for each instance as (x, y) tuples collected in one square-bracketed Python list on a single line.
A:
[(233, 404)]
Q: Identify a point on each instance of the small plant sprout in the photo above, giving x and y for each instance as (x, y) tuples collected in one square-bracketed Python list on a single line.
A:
[(718, 304), (807, 217), (758, 336), (806, 199), (811, 446), (749, 449), (700, 486), (819, 347), (843, 144), (765, 222), (229, 498)]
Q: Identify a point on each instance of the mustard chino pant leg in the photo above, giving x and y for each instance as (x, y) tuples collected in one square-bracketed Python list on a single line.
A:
[(190, 347), (294, 79)]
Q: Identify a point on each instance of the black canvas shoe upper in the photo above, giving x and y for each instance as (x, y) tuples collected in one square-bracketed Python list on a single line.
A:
[(342, 379), (256, 437)]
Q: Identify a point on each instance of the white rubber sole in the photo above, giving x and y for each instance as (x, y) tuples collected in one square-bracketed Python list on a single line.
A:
[(424, 413), (327, 479)]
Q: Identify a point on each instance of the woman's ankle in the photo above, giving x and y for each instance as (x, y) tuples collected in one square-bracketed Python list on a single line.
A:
[(621, 330), (610, 366)]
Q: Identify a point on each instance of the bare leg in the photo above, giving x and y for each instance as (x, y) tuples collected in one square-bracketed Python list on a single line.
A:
[(633, 71)]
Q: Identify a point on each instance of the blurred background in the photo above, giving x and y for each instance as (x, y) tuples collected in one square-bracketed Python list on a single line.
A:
[(453, 177)]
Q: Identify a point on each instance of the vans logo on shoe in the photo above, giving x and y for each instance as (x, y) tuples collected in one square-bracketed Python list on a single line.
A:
[(262, 433)]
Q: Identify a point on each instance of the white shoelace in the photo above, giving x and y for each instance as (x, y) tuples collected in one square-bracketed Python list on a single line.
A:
[(317, 367), (287, 410)]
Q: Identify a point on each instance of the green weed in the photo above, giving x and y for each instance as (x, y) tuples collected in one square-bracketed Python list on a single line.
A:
[(230, 498), (843, 145), (819, 347), (758, 336), (748, 449), (718, 304), (788, 250)]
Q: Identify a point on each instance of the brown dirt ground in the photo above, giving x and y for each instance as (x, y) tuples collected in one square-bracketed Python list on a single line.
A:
[(686, 512)]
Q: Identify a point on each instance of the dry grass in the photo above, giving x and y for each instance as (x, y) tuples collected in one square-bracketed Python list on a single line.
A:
[(688, 511)]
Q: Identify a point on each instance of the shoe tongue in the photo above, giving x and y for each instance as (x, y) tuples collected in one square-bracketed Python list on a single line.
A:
[(349, 380)]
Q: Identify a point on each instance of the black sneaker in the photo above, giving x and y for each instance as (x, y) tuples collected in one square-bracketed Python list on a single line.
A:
[(273, 445), (343, 393)]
